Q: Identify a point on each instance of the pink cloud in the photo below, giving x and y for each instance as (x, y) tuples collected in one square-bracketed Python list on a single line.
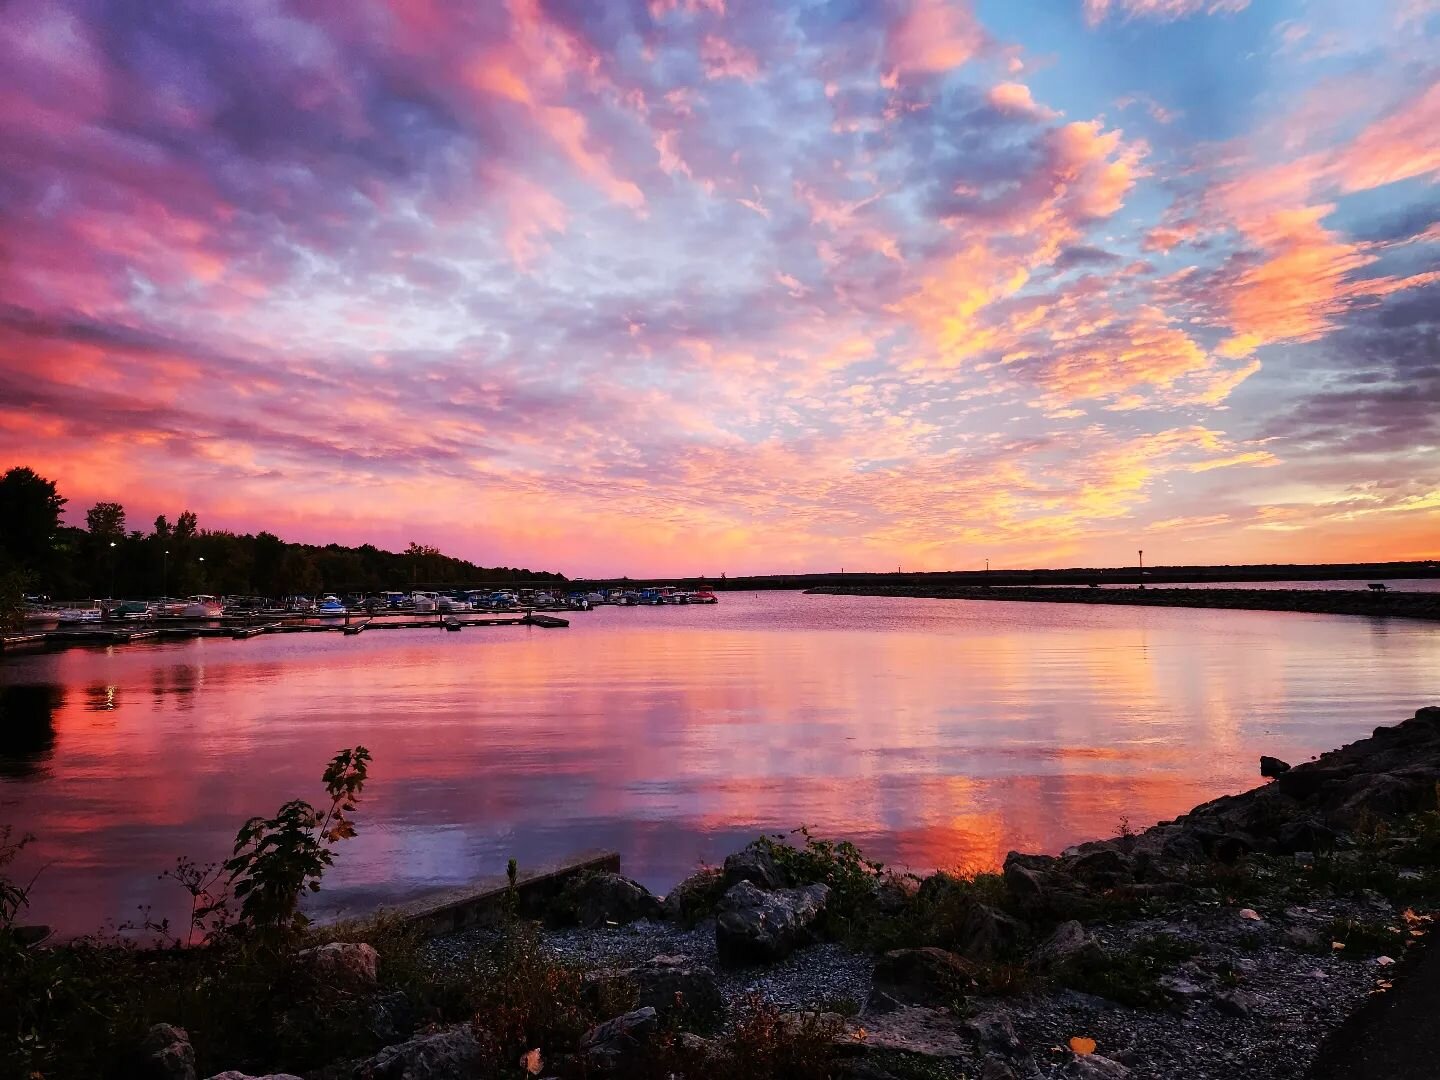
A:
[(932, 37)]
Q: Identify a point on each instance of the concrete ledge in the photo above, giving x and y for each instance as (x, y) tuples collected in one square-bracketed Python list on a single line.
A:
[(483, 901)]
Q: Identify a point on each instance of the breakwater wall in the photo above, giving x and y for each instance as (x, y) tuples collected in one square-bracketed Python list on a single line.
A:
[(1410, 605)]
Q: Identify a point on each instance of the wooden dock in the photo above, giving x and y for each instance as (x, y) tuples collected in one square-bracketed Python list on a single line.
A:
[(484, 900), (228, 628)]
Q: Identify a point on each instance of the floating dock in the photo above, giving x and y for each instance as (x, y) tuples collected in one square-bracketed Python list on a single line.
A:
[(228, 629)]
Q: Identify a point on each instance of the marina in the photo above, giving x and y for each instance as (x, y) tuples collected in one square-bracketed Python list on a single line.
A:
[(108, 623)]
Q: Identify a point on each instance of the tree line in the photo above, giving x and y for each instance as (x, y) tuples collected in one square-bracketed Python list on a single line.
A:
[(108, 558)]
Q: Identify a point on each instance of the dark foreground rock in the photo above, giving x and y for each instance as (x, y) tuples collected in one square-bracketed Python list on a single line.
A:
[(756, 865), (168, 1054), (924, 976), (448, 1054), (611, 1044), (695, 897), (758, 927), (598, 899)]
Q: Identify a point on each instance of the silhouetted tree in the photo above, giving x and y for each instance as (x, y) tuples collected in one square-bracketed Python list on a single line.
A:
[(29, 519), (106, 521)]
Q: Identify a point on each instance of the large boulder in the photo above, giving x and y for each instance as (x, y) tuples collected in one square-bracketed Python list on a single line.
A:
[(927, 976), (346, 965), (1271, 767), (451, 1053), (758, 927), (597, 899), (1068, 946), (168, 1054), (678, 984), (608, 1045), (754, 864), (695, 897), (1101, 867), (986, 934), (1381, 795)]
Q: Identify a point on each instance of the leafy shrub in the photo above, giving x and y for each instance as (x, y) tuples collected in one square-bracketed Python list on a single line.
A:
[(276, 859), (852, 878)]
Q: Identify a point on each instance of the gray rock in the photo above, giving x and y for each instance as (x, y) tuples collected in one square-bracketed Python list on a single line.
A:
[(677, 984), (1232, 1003), (894, 892), (986, 934), (598, 899), (611, 1043), (997, 1068), (448, 1054), (1096, 1067), (927, 976), (168, 1053), (758, 927), (1271, 767), (754, 864), (1181, 988), (1380, 795), (1068, 945), (236, 1074), (1101, 866), (913, 1030), (1025, 884), (995, 1031), (695, 897), (346, 965)]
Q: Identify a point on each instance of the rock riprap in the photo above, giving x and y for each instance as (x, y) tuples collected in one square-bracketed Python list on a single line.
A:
[(754, 926)]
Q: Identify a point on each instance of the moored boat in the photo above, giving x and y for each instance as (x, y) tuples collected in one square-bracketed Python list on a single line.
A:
[(330, 605), (130, 609), (202, 606)]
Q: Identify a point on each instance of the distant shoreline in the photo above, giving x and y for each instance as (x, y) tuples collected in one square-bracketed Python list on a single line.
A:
[(1079, 576), (1408, 605)]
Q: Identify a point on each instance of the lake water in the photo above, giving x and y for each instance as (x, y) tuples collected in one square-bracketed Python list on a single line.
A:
[(936, 733)]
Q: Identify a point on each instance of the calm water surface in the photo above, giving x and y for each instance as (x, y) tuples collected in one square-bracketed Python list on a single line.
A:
[(934, 732)]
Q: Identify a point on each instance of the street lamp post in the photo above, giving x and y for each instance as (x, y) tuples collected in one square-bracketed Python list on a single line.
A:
[(165, 575), (112, 569)]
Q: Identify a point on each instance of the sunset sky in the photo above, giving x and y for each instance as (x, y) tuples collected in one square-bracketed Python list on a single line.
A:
[(697, 286)]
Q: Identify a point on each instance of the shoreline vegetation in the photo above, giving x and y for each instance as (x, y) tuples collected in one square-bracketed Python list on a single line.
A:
[(1358, 601), (109, 558), (1230, 942)]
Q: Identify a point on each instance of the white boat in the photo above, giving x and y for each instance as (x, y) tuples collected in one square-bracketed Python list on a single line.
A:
[(202, 606), (330, 605), (425, 603), (40, 614), (79, 615)]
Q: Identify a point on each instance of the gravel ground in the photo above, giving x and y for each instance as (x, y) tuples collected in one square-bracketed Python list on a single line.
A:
[(1292, 998), (823, 975), (1251, 1004)]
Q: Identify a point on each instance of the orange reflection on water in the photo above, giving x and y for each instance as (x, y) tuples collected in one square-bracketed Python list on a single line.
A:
[(935, 734)]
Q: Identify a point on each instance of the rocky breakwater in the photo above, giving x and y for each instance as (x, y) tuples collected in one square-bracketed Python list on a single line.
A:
[(1357, 601)]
